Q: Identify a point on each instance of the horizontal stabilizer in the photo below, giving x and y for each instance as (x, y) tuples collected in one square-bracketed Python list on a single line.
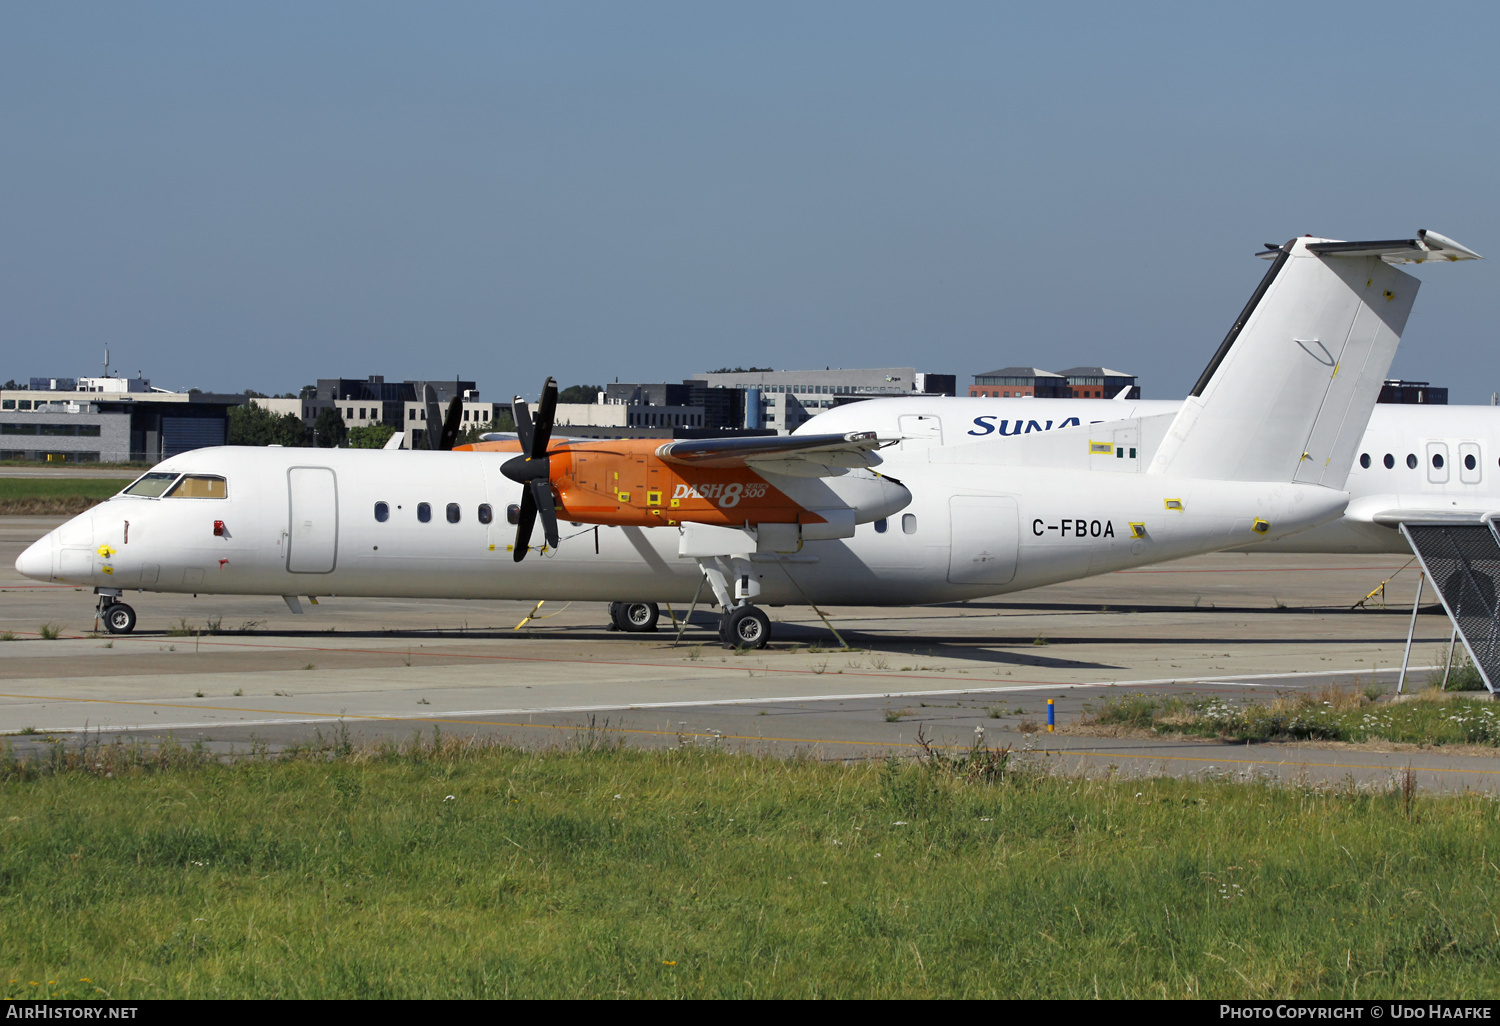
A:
[(1426, 246), (798, 455)]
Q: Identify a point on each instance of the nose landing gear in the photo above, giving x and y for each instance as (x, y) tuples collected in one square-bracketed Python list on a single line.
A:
[(117, 616)]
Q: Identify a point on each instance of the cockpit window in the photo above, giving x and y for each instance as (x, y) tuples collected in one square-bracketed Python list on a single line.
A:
[(200, 486), (150, 485)]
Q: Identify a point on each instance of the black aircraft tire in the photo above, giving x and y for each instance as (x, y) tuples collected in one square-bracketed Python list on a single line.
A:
[(119, 618), (747, 627), (637, 617)]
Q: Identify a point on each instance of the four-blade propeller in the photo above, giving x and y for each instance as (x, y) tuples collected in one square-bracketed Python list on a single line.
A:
[(533, 469)]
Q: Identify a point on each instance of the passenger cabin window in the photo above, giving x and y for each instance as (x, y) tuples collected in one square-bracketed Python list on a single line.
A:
[(1411, 461), (485, 513), (909, 523), (424, 512), (453, 513), (1390, 461), (881, 525), (199, 486), (382, 512), (1364, 460), (151, 485), (513, 514)]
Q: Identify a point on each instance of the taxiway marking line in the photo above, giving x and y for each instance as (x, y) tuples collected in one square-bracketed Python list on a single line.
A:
[(875, 744), (1264, 570), (290, 717), (620, 662)]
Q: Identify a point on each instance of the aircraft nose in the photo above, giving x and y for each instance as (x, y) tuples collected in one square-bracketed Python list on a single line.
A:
[(36, 561)]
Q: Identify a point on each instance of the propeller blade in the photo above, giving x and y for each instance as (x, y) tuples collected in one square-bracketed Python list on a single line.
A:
[(524, 523), (521, 413), (533, 469), (450, 424), (541, 491), (429, 398), (546, 412)]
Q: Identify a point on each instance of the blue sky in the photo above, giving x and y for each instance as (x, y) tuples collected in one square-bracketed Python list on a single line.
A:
[(253, 196)]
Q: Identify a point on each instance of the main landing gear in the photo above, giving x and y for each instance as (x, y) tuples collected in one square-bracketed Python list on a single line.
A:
[(735, 583), (634, 617), (118, 618), (745, 627)]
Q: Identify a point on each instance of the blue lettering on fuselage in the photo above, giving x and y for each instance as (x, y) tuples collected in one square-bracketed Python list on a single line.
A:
[(986, 426)]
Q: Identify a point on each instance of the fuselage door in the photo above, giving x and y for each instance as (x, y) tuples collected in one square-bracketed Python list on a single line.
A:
[(1437, 462), (1470, 463), (312, 540), (985, 539), (920, 431)]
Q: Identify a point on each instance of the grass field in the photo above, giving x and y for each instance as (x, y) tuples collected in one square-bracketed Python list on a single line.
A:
[(54, 496), (445, 869), (1431, 717)]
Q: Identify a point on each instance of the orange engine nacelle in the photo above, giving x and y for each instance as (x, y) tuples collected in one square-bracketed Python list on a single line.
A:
[(626, 484)]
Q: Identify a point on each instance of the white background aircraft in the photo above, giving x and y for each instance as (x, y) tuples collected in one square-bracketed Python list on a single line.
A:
[(1259, 452), (1412, 461)]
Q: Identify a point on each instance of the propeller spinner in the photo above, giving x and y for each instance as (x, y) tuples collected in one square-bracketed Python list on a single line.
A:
[(533, 469)]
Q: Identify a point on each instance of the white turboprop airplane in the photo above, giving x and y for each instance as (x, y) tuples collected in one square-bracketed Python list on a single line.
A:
[(1258, 452)]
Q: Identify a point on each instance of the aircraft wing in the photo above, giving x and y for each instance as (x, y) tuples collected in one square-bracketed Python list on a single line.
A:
[(800, 455)]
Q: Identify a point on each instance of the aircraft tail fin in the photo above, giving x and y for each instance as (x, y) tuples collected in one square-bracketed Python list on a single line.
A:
[(1290, 390)]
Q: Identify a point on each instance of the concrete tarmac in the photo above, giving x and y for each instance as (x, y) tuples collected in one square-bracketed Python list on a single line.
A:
[(1230, 625)]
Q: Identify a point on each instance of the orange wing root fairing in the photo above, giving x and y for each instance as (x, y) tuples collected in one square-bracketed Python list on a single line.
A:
[(624, 483)]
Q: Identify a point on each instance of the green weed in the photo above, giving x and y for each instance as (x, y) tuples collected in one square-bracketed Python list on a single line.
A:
[(1330, 714), (1461, 674)]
